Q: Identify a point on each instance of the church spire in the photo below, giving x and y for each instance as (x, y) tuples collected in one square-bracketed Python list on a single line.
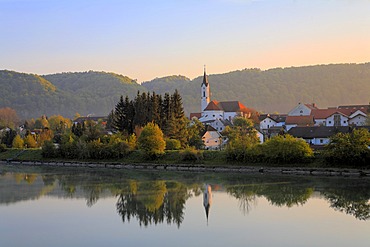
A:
[(205, 77)]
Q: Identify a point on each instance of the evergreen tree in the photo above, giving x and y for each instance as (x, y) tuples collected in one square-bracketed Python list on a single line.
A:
[(119, 116)]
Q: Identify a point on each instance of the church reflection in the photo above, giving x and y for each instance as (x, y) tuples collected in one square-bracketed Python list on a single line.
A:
[(207, 199)]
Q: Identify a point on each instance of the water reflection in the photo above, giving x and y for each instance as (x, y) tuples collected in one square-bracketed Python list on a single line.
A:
[(156, 198)]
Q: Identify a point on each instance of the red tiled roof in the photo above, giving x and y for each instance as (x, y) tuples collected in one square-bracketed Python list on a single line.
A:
[(325, 113), (213, 106), (311, 106), (195, 114), (299, 120)]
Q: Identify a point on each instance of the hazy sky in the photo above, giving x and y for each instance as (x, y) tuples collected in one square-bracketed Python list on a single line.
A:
[(144, 39)]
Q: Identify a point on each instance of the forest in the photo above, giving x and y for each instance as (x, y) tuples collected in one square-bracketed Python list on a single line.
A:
[(273, 90)]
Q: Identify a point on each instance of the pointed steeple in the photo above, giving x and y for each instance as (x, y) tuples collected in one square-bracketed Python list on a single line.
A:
[(205, 92), (205, 77)]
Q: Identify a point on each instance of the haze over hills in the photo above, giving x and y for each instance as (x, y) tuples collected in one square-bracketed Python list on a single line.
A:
[(278, 89)]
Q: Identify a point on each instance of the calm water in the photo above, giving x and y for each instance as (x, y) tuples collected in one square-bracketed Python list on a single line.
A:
[(59, 207)]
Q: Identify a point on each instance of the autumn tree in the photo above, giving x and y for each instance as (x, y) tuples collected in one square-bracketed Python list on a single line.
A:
[(151, 141), (8, 118), (18, 142)]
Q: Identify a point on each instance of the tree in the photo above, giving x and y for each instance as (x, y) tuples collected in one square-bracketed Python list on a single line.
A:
[(151, 141), (8, 137), (59, 123), (18, 142), (8, 118), (286, 149), (349, 148), (30, 142), (195, 130), (241, 138)]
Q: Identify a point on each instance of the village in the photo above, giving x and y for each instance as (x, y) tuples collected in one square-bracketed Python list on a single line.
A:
[(306, 120)]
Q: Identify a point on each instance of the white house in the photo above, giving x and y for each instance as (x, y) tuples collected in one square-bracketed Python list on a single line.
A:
[(212, 139), (268, 121), (358, 118), (302, 110)]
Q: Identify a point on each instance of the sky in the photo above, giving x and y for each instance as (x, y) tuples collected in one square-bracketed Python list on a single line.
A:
[(145, 39)]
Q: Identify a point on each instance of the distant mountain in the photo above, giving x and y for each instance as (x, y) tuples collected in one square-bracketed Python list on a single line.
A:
[(278, 89), (66, 93)]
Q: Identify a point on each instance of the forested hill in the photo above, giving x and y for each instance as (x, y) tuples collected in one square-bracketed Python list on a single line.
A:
[(277, 89), (67, 93), (271, 90)]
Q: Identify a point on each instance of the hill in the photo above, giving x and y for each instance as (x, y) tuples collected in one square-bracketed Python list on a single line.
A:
[(278, 89), (66, 93)]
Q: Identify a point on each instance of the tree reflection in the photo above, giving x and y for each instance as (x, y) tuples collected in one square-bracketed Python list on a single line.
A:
[(352, 202), (278, 194), (287, 195), (153, 202)]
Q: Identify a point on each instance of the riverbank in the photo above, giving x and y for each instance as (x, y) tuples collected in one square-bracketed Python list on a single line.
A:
[(338, 172), (212, 162)]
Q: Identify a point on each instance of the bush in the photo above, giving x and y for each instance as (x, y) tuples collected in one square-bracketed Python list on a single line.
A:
[(286, 149), (173, 144), (151, 141), (191, 154), (2, 148), (349, 148), (49, 150)]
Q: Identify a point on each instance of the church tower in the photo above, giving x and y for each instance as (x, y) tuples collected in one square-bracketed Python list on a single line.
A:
[(205, 93)]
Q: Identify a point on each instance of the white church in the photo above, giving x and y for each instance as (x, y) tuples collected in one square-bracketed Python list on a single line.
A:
[(219, 114)]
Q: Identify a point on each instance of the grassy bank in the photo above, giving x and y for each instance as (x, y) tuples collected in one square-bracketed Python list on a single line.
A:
[(208, 158)]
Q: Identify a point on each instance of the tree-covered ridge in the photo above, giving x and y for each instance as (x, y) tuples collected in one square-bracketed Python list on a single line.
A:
[(65, 94), (279, 89)]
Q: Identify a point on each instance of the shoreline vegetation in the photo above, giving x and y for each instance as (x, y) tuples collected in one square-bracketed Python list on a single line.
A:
[(212, 161)]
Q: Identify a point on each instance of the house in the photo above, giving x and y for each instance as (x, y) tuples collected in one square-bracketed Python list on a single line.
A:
[(271, 120), (320, 135), (355, 115), (96, 120), (302, 109), (212, 139), (294, 121)]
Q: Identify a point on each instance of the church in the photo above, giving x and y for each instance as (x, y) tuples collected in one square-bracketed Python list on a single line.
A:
[(220, 114)]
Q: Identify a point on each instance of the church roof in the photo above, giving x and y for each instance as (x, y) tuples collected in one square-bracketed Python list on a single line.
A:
[(205, 78), (213, 106), (227, 106)]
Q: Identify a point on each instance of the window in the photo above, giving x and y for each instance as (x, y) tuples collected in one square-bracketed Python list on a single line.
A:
[(214, 115), (329, 122), (204, 94), (301, 111), (321, 141)]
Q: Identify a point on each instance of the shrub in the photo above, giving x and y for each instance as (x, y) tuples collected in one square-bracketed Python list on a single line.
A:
[(151, 141), (349, 148), (191, 154), (49, 150), (286, 149), (173, 144), (2, 148)]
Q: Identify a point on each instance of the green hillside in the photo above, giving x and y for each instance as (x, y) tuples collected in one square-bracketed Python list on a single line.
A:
[(271, 90), (278, 89), (66, 93)]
